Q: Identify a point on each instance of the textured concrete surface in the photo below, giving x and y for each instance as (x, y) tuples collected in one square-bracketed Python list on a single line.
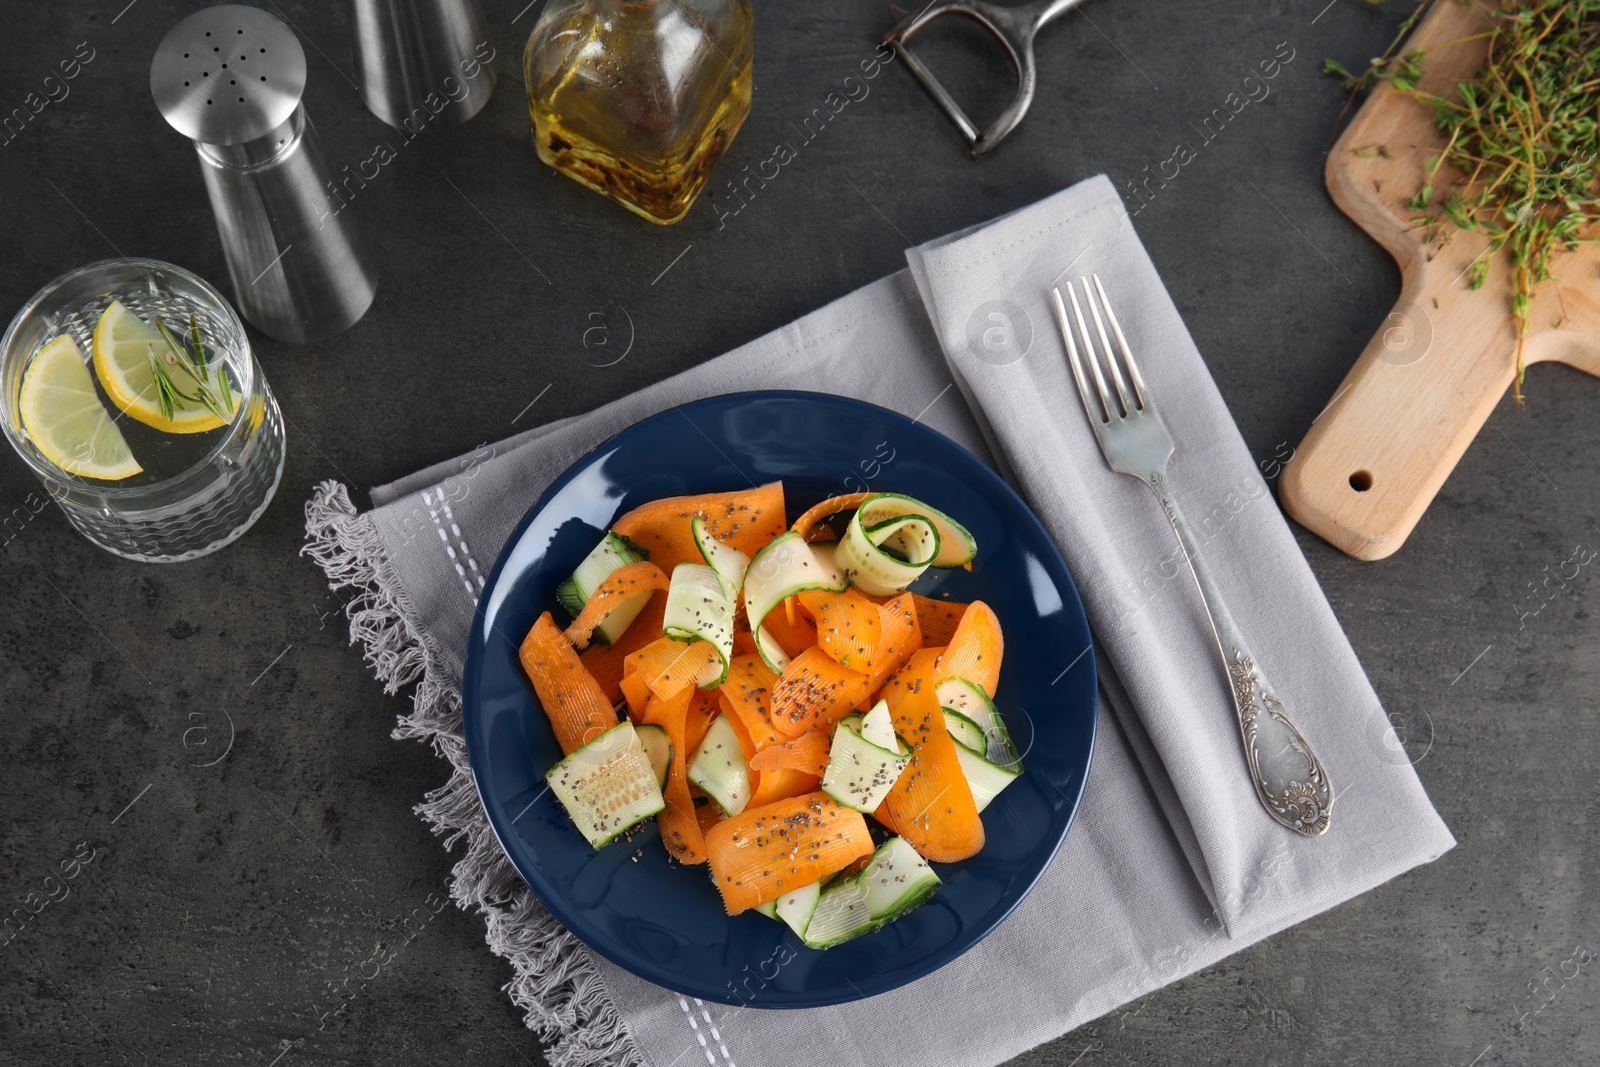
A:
[(199, 748)]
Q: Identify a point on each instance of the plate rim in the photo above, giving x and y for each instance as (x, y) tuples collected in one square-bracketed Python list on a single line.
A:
[(646, 969)]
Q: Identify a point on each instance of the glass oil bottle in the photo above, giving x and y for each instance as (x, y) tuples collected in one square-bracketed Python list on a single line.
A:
[(639, 99)]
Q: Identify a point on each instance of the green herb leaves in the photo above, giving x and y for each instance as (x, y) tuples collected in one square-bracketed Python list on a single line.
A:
[(215, 396), (1521, 137)]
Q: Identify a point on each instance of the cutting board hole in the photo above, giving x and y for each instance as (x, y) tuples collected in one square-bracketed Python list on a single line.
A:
[(1361, 481)]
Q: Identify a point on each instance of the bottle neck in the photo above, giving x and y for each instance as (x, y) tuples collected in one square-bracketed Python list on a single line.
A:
[(634, 10)]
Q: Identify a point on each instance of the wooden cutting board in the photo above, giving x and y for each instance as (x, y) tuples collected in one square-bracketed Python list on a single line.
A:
[(1404, 415)]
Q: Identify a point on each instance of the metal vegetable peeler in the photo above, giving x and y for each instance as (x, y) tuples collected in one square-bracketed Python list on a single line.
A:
[(1015, 27)]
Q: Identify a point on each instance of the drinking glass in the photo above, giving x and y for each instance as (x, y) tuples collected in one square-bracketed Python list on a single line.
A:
[(197, 492)]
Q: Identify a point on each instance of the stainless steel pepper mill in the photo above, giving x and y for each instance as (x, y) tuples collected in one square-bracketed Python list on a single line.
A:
[(230, 79), (422, 63)]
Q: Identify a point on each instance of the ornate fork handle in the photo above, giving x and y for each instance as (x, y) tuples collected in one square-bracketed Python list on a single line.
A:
[(1288, 777)]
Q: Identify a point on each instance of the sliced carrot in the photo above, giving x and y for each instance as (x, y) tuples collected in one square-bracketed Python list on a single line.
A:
[(636, 691), (815, 691), (848, 625), (931, 805), (606, 670), (975, 648), (746, 519), (670, 666), (808, 752), (938, 618), (806, 525), (707, 815), (680, 829), (855, 866), (621, 586), (703, 708), (608, 662), (899, 635), (744, 643), (578, 708), (780, 784), (760, 853), (770, 785), (747, 699), (793, 637)]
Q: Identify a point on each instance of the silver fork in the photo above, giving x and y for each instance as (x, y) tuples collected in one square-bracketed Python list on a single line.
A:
[(1288, 776)]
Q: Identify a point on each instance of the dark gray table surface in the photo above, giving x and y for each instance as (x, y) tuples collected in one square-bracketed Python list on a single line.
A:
[(224, 903)]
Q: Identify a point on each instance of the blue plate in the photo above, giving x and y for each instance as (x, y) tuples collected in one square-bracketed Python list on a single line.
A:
[(666, 924)]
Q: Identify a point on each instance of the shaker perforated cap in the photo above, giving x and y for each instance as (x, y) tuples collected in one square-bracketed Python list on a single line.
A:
[(228, 74)]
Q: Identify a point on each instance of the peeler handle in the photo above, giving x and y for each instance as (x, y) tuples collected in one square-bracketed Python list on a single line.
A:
[(1046, 11), (1014, 27)]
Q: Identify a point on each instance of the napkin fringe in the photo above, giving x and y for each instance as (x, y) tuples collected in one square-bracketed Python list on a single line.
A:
[(554, 980)]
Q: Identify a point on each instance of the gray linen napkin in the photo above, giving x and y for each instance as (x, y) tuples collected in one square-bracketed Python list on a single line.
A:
[(1170, 865)]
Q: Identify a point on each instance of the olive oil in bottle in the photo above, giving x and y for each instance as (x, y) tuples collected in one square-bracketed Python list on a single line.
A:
[(639, 99)]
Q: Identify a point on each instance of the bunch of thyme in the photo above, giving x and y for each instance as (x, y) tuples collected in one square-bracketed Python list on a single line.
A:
[(216, 397), (1522, 133)]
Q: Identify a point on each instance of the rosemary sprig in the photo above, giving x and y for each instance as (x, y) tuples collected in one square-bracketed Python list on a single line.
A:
[(223, 387), (216, 398), (194, 337), (1522, 135), (165, 393)]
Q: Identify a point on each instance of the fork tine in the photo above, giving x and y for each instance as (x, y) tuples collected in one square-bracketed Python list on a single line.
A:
[(1072, 357), (1094, 361), (1139, 390), (1105, 343)]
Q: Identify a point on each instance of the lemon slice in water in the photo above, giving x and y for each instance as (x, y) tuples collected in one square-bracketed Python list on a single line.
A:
[(122, 346), (63, 417)]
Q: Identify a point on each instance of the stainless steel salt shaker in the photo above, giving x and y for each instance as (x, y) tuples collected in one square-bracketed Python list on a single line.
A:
[(422, 63), (230, 78)]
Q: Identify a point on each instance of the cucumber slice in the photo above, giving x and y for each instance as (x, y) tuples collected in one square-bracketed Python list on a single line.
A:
[(892, 539), (969, 700), (612, 552), (966, 732), (772, 654), (719, 768), (859, 773), (910, 538), (956, 546), (570, 597), (769, 909), (865, 552), (699, 605), (841, 913), (729, 563), (984, 778), (657, 749), (607, 786), (895, 880), (797, 908), (784, 566), (877, 727)]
